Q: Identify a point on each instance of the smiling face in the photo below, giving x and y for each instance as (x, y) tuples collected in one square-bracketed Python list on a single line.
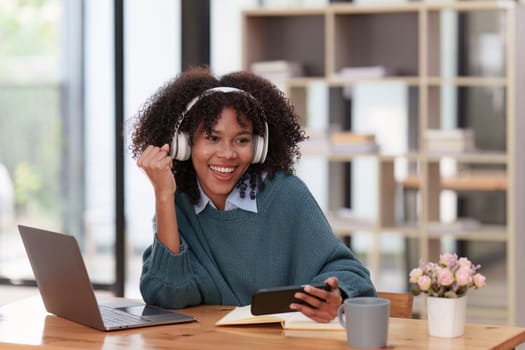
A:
[(223, 156)]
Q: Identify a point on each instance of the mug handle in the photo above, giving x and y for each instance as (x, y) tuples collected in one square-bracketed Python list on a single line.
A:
[(340, 315)]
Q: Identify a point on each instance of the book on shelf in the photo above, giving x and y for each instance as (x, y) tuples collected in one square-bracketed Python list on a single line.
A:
[(317, 142), (277, 69), (324, 142), (365, 72), (346, 141), (454, 140), (241, 315), (355, 148), (346, 137)]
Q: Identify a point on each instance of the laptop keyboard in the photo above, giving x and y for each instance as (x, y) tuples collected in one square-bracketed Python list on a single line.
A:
[(113, 317)]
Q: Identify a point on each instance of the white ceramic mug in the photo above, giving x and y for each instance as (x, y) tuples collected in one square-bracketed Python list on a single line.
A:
[(366, 321)]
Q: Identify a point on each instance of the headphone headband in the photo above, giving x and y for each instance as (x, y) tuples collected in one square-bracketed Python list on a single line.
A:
[(208, 92)]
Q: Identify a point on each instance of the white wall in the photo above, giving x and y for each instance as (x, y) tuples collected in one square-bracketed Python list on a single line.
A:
[(226, 34), (152, 56)]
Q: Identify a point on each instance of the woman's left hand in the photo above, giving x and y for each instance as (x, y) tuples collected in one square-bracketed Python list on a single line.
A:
[(323, 304)]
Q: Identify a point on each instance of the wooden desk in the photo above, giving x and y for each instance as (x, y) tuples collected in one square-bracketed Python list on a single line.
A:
[(25, 324)]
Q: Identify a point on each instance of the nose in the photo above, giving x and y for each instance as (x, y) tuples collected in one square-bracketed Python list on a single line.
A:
[(227, 150)]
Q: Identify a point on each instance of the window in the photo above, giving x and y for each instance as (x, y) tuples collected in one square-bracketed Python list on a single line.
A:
[(56, 162)]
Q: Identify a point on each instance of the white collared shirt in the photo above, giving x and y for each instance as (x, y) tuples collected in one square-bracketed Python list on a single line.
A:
[(233, 201)]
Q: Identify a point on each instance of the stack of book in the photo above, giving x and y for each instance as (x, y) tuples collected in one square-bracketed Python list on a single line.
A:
[(365, 72), (317, 142), (455, 140), (350, 142), (277, 69)]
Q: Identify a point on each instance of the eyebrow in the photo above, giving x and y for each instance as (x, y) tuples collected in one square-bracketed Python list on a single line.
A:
[(243, 132)]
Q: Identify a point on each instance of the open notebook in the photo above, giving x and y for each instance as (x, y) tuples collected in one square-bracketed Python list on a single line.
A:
[(241, 315)]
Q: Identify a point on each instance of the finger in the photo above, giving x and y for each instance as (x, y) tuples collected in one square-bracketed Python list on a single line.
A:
[(322, 305), (312, 301), (166, 159), (317, 292), (335, 294), (144, 156), (155, 157), (333, 282), (315, 314), (159, 154), (324, 310), (148, 156)]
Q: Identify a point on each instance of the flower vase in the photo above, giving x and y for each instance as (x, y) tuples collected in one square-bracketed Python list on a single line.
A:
[(446, 316)]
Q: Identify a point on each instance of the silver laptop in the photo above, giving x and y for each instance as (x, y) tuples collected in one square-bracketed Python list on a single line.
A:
[(67, 292)]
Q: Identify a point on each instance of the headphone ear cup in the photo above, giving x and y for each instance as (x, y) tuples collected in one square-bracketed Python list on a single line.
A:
[(260, 146), (180, 146)]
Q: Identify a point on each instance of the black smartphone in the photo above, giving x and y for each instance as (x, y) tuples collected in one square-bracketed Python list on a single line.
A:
[(277, 300)]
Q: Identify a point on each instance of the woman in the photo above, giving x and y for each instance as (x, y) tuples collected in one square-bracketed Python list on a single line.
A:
[(230, 216)]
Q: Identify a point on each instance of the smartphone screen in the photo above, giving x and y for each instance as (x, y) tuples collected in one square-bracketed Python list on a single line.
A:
[(277, 300)]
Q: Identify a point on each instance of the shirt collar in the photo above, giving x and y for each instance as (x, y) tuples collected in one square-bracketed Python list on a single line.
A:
[(233, 201)]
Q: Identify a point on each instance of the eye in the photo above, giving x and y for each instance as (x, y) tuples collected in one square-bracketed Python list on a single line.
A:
[(212, 138), (243, 140)]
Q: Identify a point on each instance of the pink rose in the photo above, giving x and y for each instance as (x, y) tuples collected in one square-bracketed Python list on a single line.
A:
[(479, 280), (463, 276), (415, 274), (464, 262), (424, 283), (445, 277), (449, 277), (447, 259)]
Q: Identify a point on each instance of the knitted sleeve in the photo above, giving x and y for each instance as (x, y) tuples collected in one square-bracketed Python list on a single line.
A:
[(317, 248), (166, 278)]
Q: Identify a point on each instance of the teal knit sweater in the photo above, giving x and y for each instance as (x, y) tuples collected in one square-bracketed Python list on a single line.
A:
[(227, 255)]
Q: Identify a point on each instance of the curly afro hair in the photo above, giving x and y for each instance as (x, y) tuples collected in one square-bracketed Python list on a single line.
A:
[(157, 120)]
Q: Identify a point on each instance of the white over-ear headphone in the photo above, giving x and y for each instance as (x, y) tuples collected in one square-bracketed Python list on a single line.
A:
[(180, 148)]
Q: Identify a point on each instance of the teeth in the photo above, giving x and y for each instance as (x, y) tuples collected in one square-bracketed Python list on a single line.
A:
[(221, 169)]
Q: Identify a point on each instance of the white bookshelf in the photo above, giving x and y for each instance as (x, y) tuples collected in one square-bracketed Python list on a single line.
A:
[(406, 39)]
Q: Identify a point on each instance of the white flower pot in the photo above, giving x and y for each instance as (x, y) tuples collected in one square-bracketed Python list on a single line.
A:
[(446, 316)]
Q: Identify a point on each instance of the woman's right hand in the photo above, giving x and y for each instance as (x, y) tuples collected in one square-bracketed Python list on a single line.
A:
[(156, 163)]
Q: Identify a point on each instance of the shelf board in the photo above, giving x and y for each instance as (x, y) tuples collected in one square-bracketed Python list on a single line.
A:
[(346, 157), (350, 8), (493, 181), (284, 11), (469, 157), (492, 233), (336, 157), (336, 81), (342, 8), (300, 81), (387, 157), (470, 5), (406, 230), (487, 233), (468, 81), (344, 82)]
